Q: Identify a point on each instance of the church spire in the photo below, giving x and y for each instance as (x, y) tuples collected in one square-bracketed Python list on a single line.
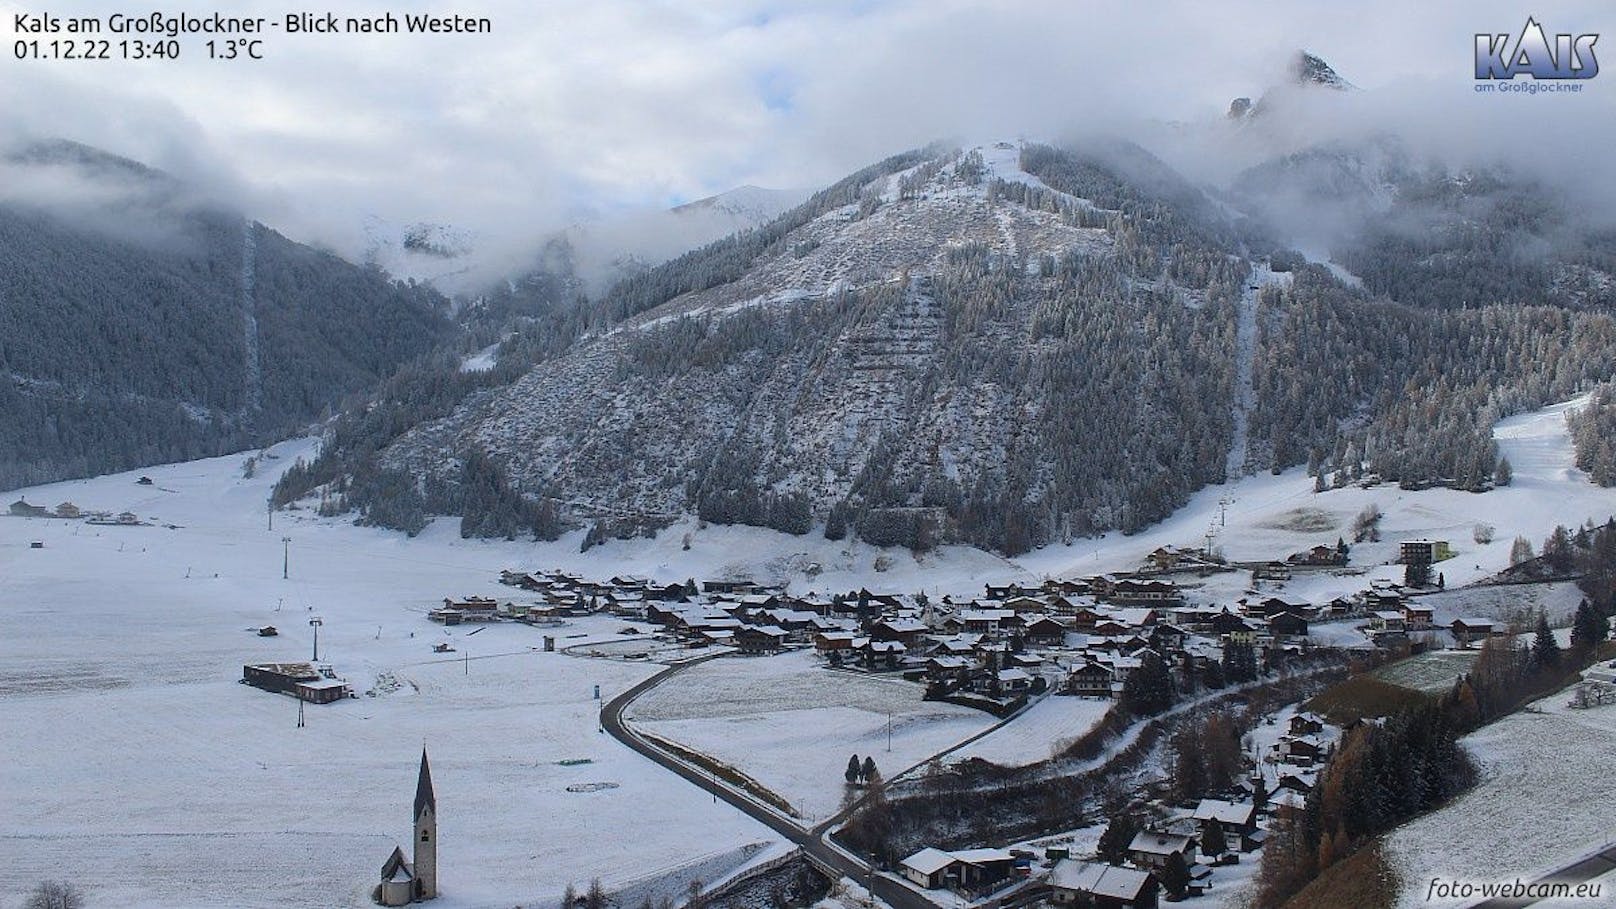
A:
[(424, 796)]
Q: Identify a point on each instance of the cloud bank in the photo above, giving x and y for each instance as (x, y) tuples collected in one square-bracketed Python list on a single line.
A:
[(576, 108)]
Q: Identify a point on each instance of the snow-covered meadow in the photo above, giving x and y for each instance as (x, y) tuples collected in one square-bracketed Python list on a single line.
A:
[(1039, 733), (791, 724), (1543, 801), (138, 766)]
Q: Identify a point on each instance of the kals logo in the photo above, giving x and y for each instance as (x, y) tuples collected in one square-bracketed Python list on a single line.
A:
[(1531, 54)]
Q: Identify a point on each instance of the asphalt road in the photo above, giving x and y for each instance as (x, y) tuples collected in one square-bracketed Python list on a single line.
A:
[(1575, 873), (812, 842)]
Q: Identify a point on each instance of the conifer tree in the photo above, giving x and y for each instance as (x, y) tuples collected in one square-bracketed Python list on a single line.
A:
[(1115, 839), (1175, 877), (1545, 649), (1588, 628)]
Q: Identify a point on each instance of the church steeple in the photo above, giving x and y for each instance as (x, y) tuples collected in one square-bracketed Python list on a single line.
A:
[(426, 834), (424, 796)]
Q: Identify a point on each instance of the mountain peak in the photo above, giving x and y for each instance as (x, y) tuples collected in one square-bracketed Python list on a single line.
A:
[(1308, 69)]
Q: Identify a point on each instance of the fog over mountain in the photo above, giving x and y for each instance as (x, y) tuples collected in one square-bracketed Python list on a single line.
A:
[(614, 107)]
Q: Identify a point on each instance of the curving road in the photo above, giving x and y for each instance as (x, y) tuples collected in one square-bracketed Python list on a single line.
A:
[(813, 842)]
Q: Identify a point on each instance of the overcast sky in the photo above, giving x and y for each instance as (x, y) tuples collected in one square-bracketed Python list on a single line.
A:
[(577, 106)]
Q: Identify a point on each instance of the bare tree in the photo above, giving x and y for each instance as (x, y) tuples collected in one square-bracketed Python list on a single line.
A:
[(55, 895)]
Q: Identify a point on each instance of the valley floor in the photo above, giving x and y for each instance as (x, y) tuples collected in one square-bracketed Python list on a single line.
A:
[(137, 766)]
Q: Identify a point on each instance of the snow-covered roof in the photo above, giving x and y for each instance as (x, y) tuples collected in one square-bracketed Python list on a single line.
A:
[(769, 630), (981, 856), (1223, 812), (1098, 879), (1155, 842), (928, 861), (904, 626)]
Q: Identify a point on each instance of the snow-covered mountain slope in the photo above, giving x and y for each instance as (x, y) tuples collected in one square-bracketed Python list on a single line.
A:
[(919, 341)]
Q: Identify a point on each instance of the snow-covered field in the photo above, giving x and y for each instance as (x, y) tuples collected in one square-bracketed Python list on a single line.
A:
[(1544, 800), (791, 725), (1431, 672), (137, 766), (1039, 733)]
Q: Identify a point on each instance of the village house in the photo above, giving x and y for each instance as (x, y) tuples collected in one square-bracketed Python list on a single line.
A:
[(300, 680), (879, 655), (1092, 679), (734, 587), (1418, 618), (1287, 624), (929, 868), (1007, 591), (828, 642), (757, 639), (22, 509), (1152, 848), (1320, 556), (965, 869), (1102, 886), (1043, 631), (1067, 587), (1236, 818), (1306, 724), (1468, 631), (950, 670), (1165, 636), (1387, 620), (1271, 571), (1132, 592), (1025, 604), (905, 631), (1084, 618), (1303, 749), (1424, 552), (986, 621), (470, 609)]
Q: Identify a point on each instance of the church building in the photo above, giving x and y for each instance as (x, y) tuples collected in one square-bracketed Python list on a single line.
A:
[(403, 881)]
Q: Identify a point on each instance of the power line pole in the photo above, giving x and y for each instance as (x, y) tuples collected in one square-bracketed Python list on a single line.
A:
[(286, 557)]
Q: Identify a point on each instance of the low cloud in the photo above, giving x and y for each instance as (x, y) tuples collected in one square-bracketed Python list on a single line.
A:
[(577, 109)]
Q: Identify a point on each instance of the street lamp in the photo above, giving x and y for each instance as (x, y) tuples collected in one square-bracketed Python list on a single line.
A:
[(315, 623), (286, 557)]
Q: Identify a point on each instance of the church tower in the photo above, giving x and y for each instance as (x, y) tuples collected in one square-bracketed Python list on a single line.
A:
[(426, 834)]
